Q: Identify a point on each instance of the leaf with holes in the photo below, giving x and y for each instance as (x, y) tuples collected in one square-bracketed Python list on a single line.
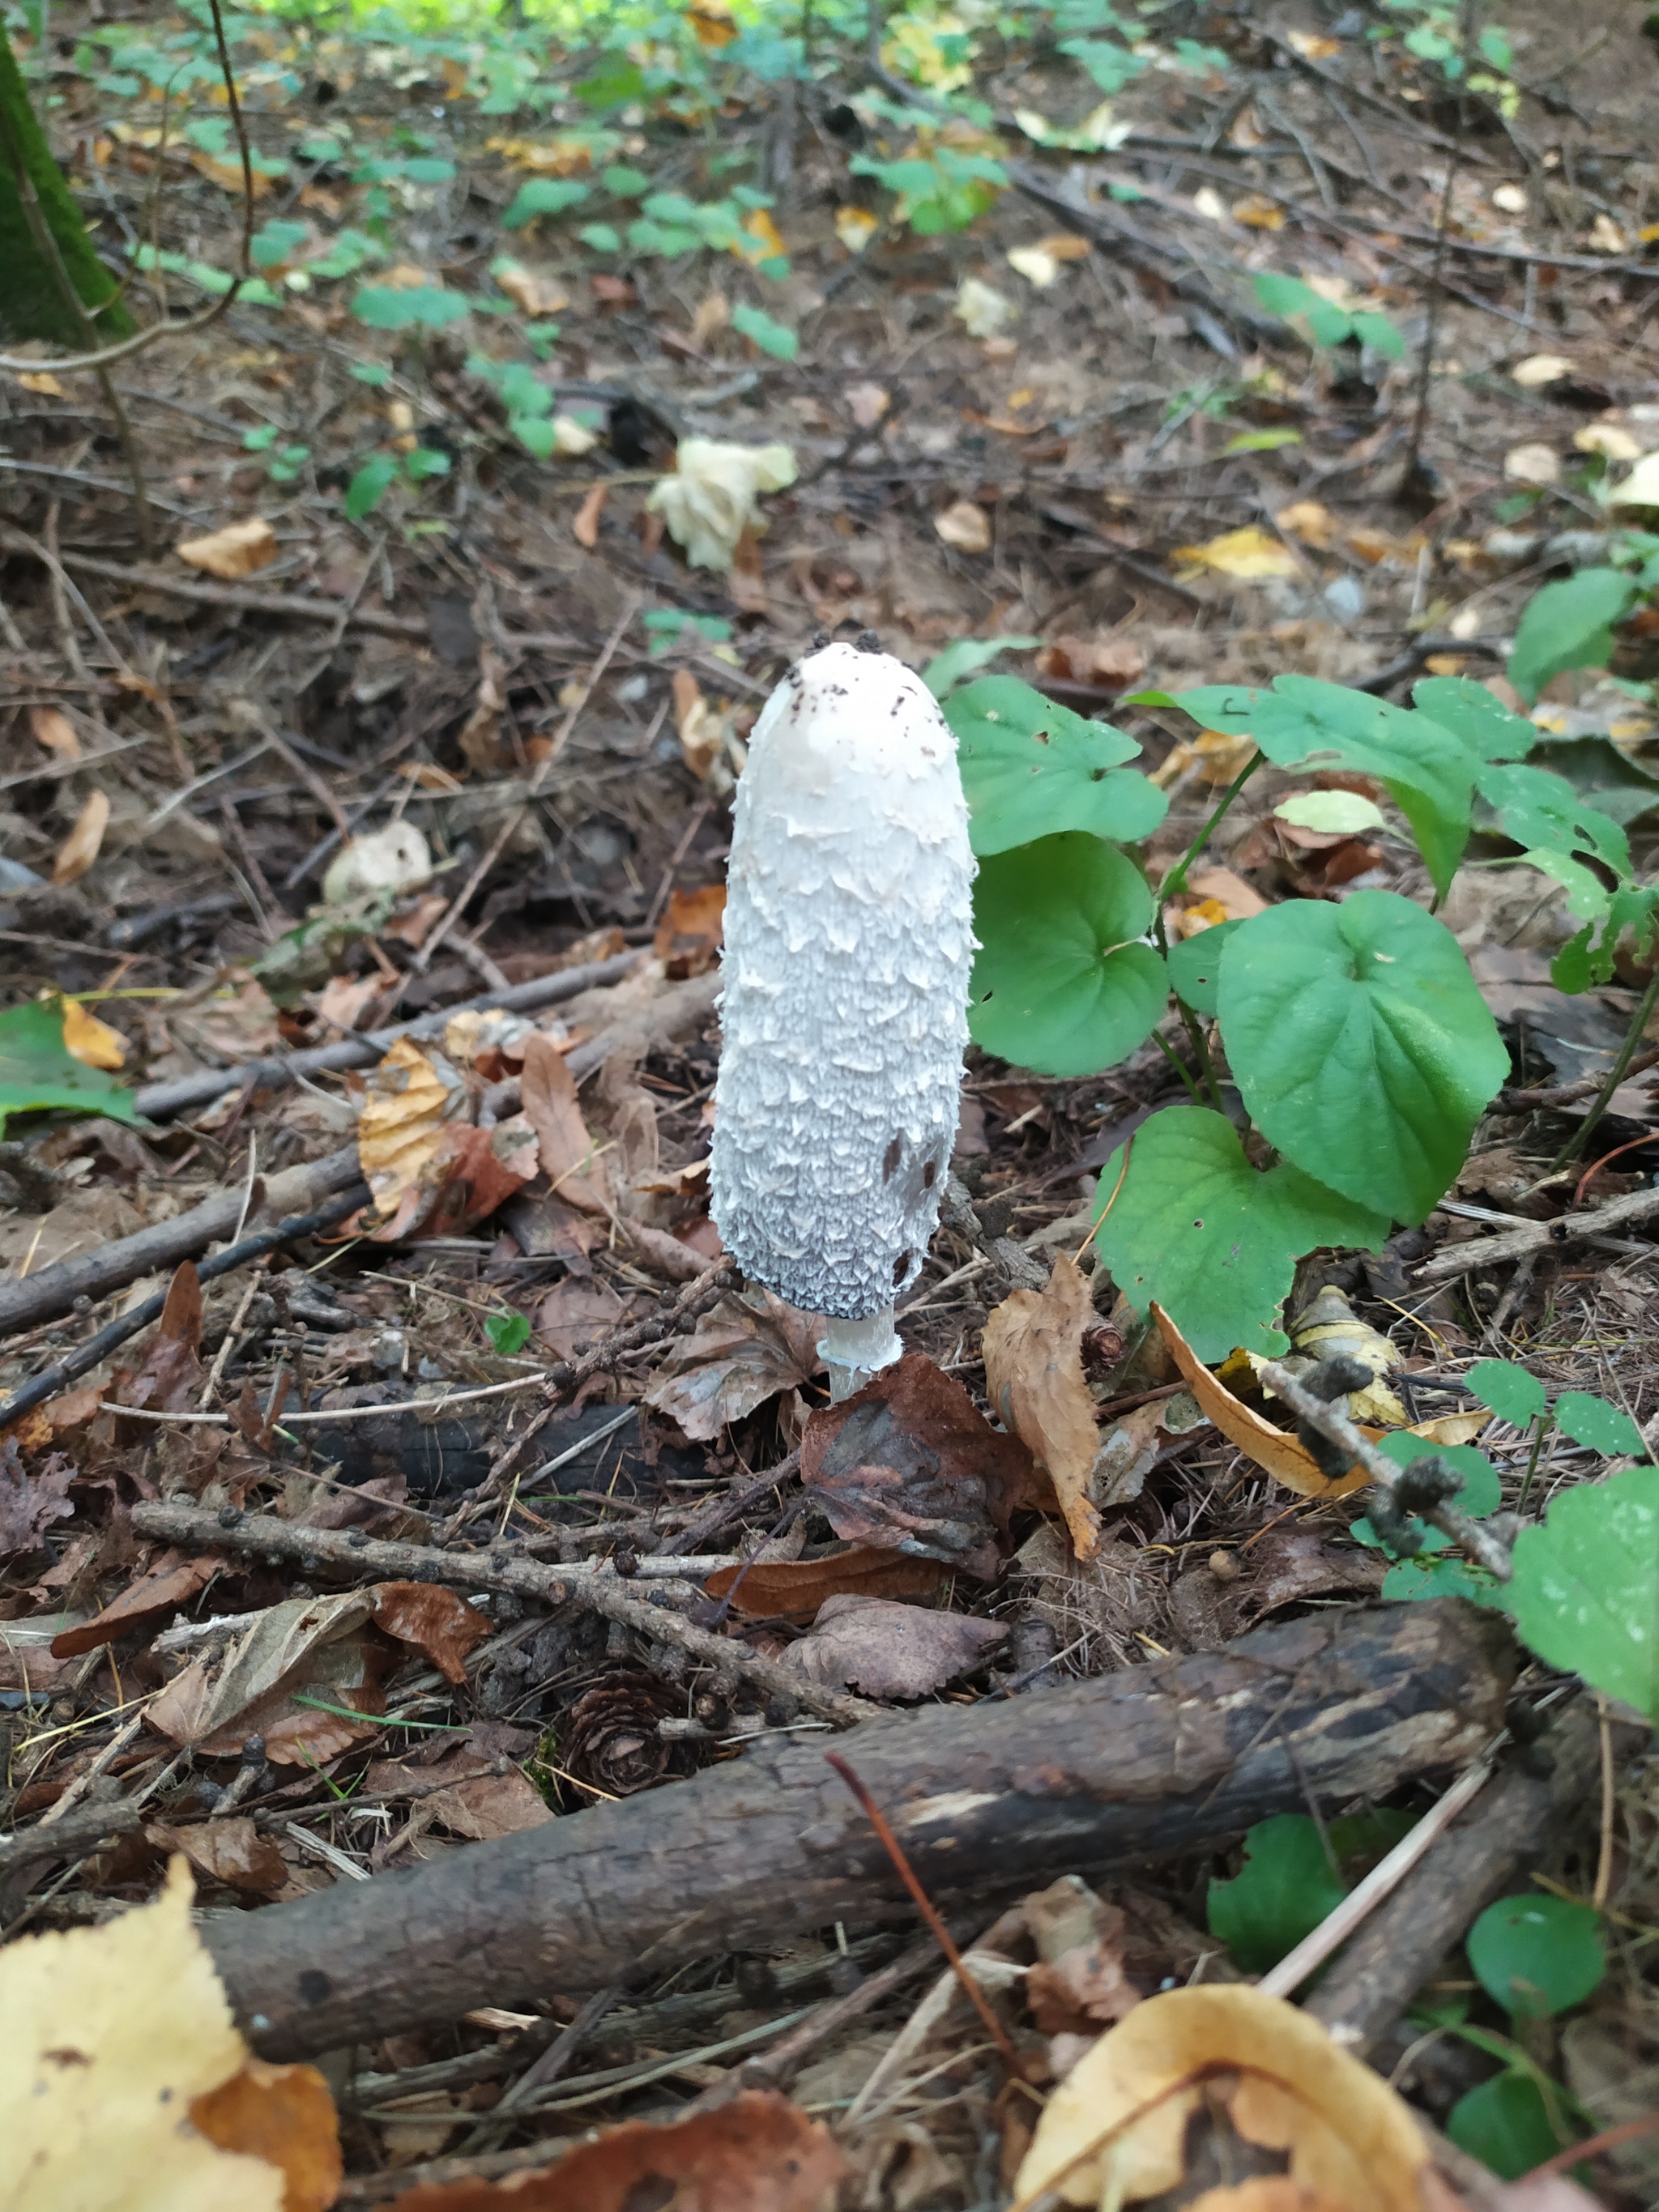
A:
[(1427, 771), (1195, 967), (1536, 807), (1212, 1240), (1031, 767), (1585, 1593), (1361, 1044), (1603, 1428), (1061, 982)]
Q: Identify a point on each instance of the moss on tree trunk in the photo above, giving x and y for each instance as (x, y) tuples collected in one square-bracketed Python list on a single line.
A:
[(32, 301)]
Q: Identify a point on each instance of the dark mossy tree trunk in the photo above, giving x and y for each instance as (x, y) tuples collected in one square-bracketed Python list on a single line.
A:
[(32, 302)]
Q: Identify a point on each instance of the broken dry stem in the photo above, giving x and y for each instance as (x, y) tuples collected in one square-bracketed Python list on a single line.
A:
[(1480, 1543), (597, 1587)]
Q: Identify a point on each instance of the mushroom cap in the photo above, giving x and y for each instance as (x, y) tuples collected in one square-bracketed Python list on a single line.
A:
[(849, 942)]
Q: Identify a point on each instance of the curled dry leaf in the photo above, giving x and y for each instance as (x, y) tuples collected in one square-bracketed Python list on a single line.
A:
[(745, 1351), (172, 1367), (757, 2154), (1034, 1378), (910, 1463), (1277, 1451), (1115, 2132), (584, 525), (413, 1096), (536, 294), (797, 1589), (687, 939), (173, 1580), (395, 858), (291, 1664), (889, 1650), (1249, 554), (232, 1852), (1111, 664), (437, 1621), (81, 847), (713, 495), (127, 2089), (568, 1156), (236, 550)]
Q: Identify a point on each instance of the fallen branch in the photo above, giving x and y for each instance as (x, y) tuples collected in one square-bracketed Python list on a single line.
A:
[(159, 1100), (108, 1267), (139, 577), (1508, 1829), (1127, 1767), (80, 1831), (600, 1588), (1568, 1094), (1517, 1243)]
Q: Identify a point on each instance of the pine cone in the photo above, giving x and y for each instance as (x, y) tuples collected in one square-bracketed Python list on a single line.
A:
[(609, 1736)]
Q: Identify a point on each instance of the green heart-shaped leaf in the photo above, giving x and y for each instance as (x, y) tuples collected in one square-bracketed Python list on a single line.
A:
[(1061, 983), (1361, 1045), (1031, 767), (1586, 1589), (1212, 1240), (1469, 710), (1427, 771)]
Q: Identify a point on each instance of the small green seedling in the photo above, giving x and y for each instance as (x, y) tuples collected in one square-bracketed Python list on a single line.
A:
[(1536, 1957), (1292, 1877), (507, 1332)]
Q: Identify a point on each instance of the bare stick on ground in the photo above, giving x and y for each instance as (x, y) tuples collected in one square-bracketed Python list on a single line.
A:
[(1101, 1773)]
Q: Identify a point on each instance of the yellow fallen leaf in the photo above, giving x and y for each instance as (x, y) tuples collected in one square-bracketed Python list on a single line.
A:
[(1641, 487), (89, 1040), (966, 526), (80, 849), (980, 309), (1533, 465), (855, 227), (1257, 214), (769, 243), (1313, 45), (1605, 236), (125, 2086), (559, 157), (403, 276), (712, 20), (528, 289), (1250, 553), (236, 550), (1277, 1451), (1306, 519), (227, 175), (1034, 1379), (1609, 439), (1509, 199), (42, 381), (53, 729), (413, 1096), (1115, 2132), (1038, 267), (1541, 368), (1208, 203), (1064, 246)]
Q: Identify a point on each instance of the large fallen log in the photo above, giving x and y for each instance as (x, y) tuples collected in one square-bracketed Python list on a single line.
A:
[(1004, 1794)]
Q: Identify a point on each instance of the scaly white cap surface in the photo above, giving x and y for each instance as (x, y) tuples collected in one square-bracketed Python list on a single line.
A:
[(848, 943)]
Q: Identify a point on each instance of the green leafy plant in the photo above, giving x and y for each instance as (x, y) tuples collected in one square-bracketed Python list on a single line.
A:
[(1324, 323), (507, 1332), (39, 1071), (762, 329), (939, 191), (370, 483), (1534, 1956), (282, 463), (1291, 1878)]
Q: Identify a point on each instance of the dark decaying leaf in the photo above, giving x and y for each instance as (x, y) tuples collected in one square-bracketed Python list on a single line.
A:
[(172, 1367), (171, 1582), (793, 1590), (30, 1502), (757, 2154), (888, 1650), (436, 1621), (231, 1851), (909, 1461), (745, 1351)]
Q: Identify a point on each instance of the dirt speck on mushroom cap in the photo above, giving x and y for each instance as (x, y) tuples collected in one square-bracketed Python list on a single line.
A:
[(848, 944)]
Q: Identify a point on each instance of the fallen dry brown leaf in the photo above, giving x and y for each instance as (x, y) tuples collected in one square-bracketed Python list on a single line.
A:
[(81, 847), (53, 728), (757, 2154), (30, 1501), (236, 550), (230, 1851), (173, 1580), (569, 1158), (744, 1351), (795, 1589), (886, 1650), (295, 1674), (284, 2116), (1034, 1379), (437, 1622), (964, 527)]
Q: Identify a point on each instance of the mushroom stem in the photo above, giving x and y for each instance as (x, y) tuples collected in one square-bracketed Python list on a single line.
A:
[(853, 1350)]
